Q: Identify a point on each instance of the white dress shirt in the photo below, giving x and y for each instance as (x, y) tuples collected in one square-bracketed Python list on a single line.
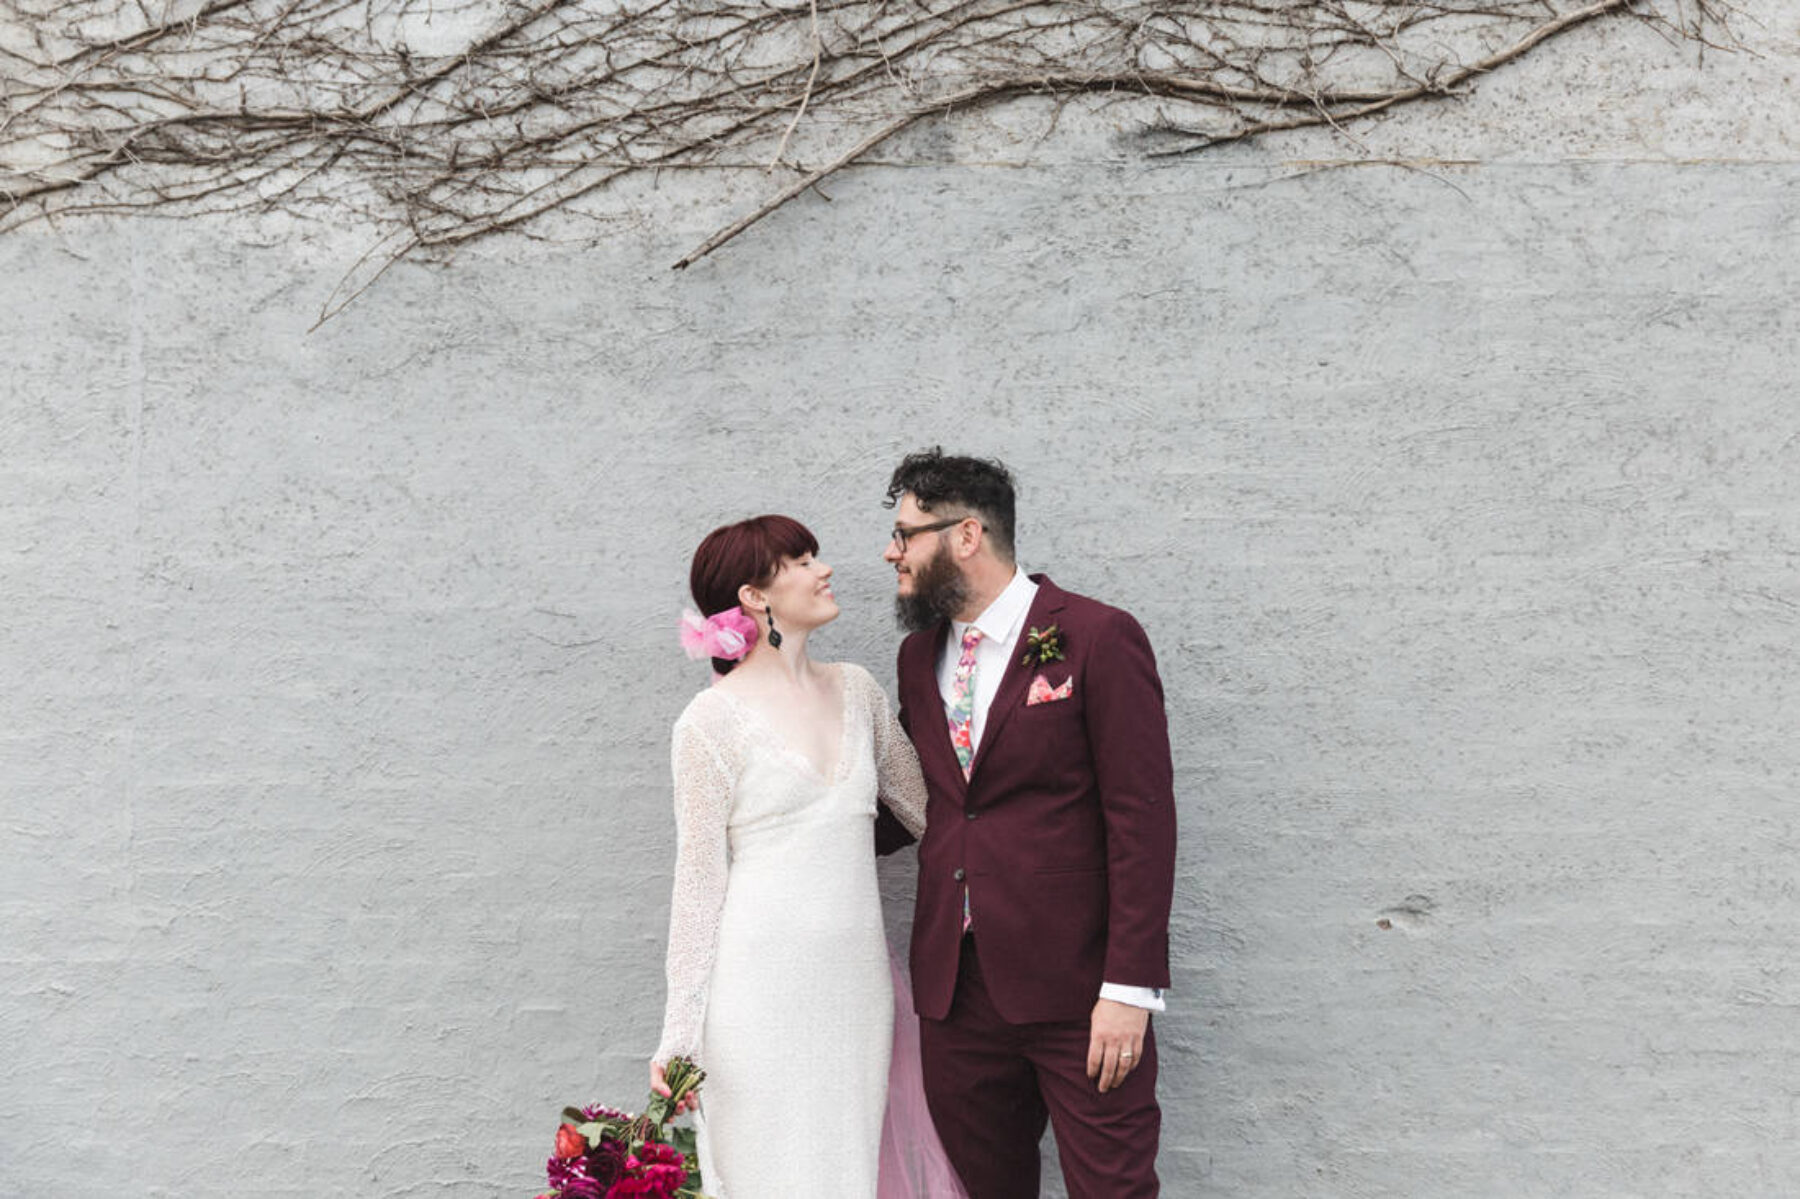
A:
[(1001, 624)]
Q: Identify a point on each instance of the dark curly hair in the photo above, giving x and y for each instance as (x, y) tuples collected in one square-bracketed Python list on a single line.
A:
[(981, 486)]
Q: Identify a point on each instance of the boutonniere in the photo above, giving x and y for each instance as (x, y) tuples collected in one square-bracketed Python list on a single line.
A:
[(1043, 647)]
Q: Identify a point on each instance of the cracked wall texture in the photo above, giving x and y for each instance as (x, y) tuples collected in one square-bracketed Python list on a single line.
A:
[(1459, 499)]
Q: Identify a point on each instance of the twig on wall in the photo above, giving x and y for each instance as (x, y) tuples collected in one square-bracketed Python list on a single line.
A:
[(439, 122)]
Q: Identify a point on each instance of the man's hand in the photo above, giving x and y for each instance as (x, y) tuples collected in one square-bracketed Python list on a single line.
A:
[(660, 1086), (1115, 1042)]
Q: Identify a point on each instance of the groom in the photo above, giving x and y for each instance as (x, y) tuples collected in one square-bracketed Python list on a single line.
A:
[(1040, 936)]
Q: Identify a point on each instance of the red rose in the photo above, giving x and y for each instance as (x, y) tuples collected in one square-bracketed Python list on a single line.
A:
[(570, 1142)]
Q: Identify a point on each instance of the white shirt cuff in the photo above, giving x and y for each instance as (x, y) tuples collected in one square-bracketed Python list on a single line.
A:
[(1150, 998)]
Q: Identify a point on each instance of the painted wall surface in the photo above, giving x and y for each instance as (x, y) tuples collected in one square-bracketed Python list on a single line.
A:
[(1461, 501)]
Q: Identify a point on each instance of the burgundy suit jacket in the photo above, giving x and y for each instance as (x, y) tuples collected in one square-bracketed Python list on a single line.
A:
[(1064, 831)]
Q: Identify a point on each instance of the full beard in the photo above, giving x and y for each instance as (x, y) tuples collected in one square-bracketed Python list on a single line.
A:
[(938, 594)]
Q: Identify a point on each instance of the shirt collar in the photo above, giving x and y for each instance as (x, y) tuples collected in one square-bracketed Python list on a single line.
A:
[(1000, 622)]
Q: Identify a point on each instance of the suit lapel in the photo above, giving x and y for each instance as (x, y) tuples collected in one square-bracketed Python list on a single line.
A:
[(932, 740), (1013, 684)]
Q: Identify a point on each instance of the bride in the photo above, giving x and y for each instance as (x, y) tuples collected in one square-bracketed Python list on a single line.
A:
[(779, 983)]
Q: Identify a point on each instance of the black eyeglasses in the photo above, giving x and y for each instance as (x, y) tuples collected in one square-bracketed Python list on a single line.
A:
[(901, 532)]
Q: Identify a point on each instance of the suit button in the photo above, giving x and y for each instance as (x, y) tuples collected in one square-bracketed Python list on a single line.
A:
[(971, 815), (959, 876)]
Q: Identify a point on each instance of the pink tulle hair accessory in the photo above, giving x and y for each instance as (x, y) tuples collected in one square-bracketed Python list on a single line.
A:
[(728, 634)]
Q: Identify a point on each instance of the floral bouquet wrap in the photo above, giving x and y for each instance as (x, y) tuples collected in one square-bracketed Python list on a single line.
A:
[(607, 1154)]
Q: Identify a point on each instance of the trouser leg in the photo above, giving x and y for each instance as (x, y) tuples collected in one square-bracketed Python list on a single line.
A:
[(983, 1091), (1106, 1143)]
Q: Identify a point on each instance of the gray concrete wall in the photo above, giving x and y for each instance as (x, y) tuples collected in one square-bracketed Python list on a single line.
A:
[(1460, 502)]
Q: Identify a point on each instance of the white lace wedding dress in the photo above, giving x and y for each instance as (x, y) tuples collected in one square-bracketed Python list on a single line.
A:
[(778, 970)]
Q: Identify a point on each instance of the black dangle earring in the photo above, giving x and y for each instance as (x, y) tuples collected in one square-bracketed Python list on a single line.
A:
[(774, 637)]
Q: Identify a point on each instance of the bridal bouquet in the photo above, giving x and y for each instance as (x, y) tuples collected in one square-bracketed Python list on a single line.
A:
[(607, 1154)]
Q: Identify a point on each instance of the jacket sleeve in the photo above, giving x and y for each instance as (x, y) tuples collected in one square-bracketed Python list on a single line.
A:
[(1128, 740)]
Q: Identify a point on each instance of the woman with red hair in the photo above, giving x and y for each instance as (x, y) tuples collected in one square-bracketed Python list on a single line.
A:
[(778, 970)]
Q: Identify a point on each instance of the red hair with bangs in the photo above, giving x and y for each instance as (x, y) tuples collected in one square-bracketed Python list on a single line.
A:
[(748, 552)]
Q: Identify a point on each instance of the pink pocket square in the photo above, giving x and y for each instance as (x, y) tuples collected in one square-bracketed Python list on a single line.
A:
[(1042, 693)]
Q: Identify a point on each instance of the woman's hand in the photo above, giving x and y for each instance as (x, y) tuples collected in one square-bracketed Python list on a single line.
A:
[(660, 1086)]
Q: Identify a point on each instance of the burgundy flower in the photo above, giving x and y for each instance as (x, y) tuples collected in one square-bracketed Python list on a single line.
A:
[(605, 1162), (564, 1172)]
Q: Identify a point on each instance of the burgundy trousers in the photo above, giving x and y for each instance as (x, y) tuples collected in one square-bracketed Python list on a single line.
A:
[(992, 1085)]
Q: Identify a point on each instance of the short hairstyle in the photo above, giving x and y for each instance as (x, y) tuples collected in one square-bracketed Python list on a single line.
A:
[(981, 485), (749, 551)]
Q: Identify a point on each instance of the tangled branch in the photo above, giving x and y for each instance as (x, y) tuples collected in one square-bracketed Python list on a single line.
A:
[(442, 121)]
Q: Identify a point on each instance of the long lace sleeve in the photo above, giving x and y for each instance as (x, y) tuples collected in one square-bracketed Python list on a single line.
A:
[(899, 783), (703, 790)]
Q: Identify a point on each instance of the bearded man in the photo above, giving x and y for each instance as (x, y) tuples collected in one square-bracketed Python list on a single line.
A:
[(1046, 873)]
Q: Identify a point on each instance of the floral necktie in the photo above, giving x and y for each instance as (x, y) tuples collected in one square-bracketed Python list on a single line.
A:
[(962, 700), (962, 716)]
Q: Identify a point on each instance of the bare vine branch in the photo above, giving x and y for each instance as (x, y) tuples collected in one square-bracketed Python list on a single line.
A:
[(438, 122)]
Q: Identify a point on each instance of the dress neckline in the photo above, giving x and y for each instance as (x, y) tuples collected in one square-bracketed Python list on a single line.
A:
[(781, 744)]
